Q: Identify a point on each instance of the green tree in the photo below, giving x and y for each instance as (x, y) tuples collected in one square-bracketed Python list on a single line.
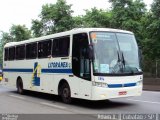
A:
[(37, 28), (128, 14), (97, 18), (152, 42), (78, 22), (20, 32), (56, 17), (5, 38)]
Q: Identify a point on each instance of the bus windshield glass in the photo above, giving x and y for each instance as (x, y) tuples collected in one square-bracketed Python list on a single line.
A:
[(115, 53)]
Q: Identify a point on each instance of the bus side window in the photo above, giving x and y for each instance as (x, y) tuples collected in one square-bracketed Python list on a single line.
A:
[(61, 47), (31, 51), (44, 49), (6, 54), (20, 52), (11, 53), (80, 59)]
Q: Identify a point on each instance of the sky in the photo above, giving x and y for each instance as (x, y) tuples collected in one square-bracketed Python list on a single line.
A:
[(23, 11)]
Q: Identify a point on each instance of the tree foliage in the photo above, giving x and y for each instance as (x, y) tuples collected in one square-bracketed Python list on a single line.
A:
[(56, 17), (5, 38), (97, 18), (152, 41), (20, 32), (37, 28), (128, 15)]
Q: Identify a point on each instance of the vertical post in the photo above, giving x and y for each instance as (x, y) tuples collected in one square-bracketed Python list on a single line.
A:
[(156, 68)]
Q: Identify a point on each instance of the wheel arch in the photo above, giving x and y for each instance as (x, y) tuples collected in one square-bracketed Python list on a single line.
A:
[(61, 82), (19, 79)]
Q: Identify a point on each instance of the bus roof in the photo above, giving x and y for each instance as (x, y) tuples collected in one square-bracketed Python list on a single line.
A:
[(73, 31)]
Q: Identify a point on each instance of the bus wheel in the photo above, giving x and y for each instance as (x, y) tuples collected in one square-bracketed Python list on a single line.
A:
[(20, 86), (66, 93)]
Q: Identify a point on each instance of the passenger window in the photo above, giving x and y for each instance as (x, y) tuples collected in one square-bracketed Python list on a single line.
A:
[(44, 49), (31, 51), (60, 47), (20, 52), (6, 54), (12, 53)]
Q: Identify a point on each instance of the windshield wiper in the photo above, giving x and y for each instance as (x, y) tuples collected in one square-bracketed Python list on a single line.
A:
[(123, 60), (122, 64), (119, 61)]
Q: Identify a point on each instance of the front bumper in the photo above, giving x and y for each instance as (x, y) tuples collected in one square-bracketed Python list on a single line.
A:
[(100, 93)]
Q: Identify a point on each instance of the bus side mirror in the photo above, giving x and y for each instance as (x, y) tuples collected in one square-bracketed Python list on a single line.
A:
[(91, 52)]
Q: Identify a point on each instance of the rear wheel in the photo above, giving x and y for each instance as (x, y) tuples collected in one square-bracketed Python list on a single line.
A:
[(20, 86), (66, 93)]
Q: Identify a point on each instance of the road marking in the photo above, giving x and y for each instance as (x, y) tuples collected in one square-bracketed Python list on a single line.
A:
[(144, 101), (52, 105), (15, 96)]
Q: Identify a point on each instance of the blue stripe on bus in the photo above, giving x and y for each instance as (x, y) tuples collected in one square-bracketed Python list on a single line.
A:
[(121, 85), (17, 70), (43, 70), (114, 85), (129, 84), (56, 70)]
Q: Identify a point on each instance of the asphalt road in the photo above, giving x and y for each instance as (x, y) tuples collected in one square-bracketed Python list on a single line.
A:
[(38, 103)]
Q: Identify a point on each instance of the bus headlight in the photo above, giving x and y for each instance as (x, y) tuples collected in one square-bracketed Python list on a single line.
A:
[(139, 83), (99, 84)]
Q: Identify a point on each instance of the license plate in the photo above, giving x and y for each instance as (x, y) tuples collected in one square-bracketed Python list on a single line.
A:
[(123, 93)]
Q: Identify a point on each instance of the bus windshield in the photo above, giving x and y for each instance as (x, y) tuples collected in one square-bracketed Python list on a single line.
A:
[(115, 53)]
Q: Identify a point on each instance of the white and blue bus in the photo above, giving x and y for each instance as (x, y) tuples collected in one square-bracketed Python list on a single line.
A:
[(85, 63)]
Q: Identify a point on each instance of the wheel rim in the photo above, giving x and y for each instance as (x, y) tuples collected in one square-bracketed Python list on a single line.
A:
[(66, 93)]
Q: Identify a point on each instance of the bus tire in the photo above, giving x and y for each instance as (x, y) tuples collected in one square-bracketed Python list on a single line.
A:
[(20, 89), (66, 93)]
